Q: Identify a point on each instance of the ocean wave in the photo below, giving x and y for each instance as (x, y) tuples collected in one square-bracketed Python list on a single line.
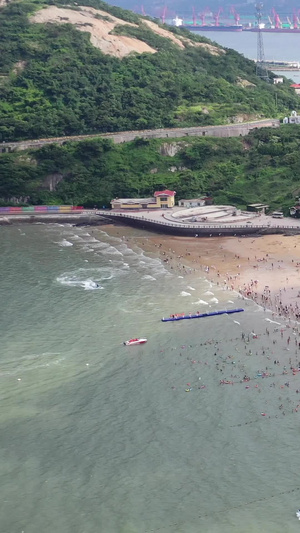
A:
[(90, 239), (111, 250), (126, 250), (64, 242), (86, 284), (99, 245), (272, 321), (147, 276), (214, 300), (183, 293), (19, 365), (200, 302), (89, 278)]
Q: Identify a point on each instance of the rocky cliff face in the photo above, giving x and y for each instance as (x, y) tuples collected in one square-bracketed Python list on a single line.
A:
[(171, 149)]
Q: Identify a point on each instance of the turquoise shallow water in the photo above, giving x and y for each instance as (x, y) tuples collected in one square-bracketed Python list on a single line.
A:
[(96, 436)]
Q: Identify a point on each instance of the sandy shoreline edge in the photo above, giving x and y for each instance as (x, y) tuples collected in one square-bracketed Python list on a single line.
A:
[(265, 269)]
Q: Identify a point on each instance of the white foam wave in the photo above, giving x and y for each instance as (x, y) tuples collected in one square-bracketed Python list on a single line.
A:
[(236, 322), (64, 243), (191, 288), (92, 239), (111, 250), (272, 321), (147, 276), (89, 278), (209, 293), (99, 245), (199, 302), (86, 284), (127, 251), (214, 300), (183, 293)]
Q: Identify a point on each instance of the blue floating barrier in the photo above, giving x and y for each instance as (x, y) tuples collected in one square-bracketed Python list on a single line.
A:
[(175, 318)]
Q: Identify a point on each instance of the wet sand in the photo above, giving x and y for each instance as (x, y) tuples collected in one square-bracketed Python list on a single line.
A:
[(265, 269)]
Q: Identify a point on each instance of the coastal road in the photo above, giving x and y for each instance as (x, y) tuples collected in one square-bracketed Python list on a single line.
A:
[(230, 130)]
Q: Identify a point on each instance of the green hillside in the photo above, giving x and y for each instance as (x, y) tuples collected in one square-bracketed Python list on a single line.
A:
[(262, 167), (54, 82)]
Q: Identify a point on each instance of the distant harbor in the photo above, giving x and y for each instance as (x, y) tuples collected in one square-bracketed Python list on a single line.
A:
[(281, 47), (281, 65)]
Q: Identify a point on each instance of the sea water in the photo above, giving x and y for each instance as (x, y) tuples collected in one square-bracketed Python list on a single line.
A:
[(277, 46), (100, 437)]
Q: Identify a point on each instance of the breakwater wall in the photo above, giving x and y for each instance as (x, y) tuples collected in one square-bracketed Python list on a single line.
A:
[(78, 220), (190, 230), (230, 130), (31, 209)]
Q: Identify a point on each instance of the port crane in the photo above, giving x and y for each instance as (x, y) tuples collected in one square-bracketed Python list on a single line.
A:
[(202, 15), (216, 16), (296, 19), (194, 17), (163, 15), (236, 16), (277, 21)]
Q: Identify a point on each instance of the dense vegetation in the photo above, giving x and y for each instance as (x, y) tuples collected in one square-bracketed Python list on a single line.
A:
[(262, 167), (53, 82)]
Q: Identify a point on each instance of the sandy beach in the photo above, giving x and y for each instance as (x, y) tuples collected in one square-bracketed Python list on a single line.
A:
[(265, 269)]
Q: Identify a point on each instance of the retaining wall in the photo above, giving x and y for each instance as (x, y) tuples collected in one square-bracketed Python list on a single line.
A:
[(231, 130)]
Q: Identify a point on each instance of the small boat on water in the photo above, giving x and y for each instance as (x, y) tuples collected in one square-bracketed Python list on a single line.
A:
[(133, 342)]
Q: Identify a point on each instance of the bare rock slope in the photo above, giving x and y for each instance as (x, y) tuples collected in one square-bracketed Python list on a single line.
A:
[(100, 25)]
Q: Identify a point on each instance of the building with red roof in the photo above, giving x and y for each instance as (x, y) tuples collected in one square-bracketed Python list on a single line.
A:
[(296, 86), (165, 199)]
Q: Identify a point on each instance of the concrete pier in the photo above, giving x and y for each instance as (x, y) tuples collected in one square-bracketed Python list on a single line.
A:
[(84, 218), (156, 221)]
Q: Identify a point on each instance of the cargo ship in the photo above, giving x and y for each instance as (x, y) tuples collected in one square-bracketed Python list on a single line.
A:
[(197, 27), (193, 26), (273, 30)]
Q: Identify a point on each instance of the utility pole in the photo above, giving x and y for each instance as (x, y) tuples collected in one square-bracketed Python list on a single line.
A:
[(261, 70)]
